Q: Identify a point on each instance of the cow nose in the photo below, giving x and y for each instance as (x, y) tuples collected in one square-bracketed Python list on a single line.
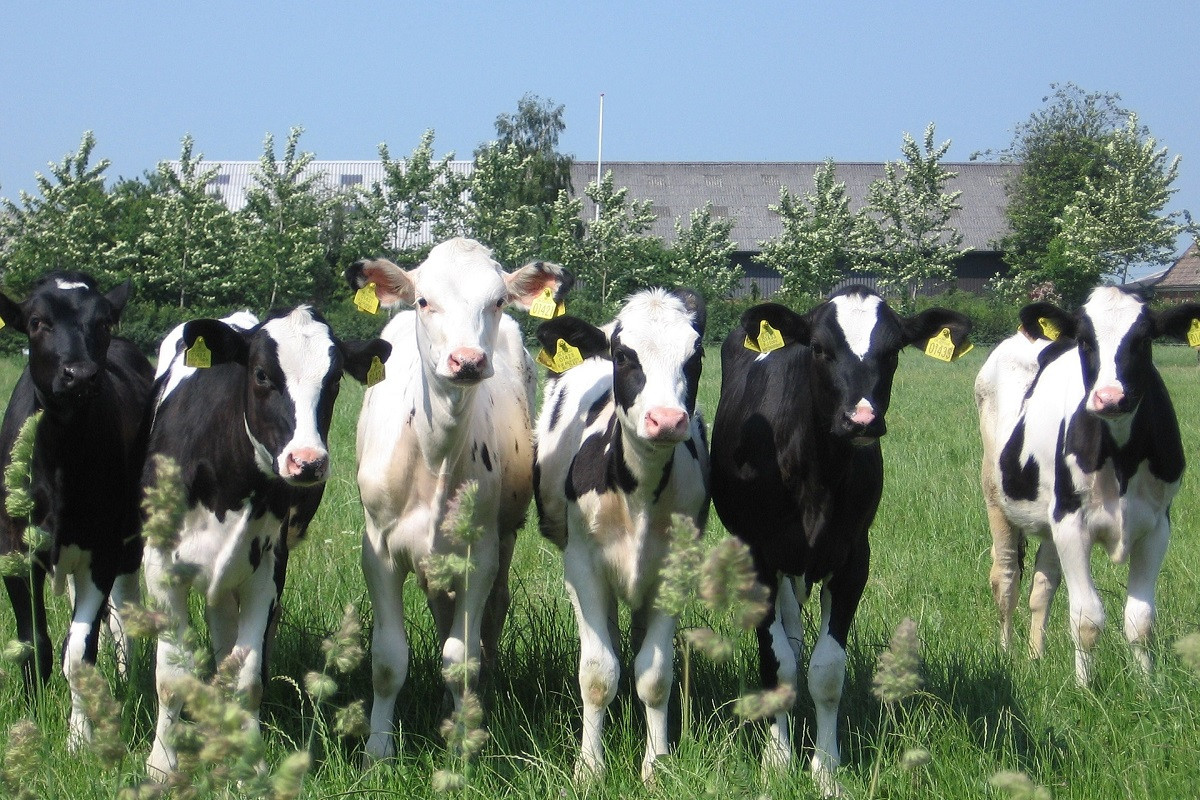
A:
[(78, 373), (467, 363), (667, 424), (863, 414), (307, 465), (1107, 399)]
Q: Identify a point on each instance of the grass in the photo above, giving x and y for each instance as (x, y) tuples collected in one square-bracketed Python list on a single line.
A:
[(980, 711)]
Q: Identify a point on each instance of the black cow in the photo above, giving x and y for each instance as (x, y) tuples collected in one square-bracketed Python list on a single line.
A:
[(797, 474), (250, 436), (92, 389)]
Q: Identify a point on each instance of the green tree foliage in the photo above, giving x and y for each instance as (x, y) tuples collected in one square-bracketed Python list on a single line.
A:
[(700, 259), (72, 223), (820, 240), (908, 213)]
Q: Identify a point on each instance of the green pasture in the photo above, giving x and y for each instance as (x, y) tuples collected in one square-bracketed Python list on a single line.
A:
[(981, 710)]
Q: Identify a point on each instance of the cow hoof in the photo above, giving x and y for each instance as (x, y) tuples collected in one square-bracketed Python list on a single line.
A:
[(589, 772)]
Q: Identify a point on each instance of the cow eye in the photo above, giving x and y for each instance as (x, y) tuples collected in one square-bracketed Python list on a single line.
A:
[(422, 302), (500, 303), (34, 324), (260, 377)]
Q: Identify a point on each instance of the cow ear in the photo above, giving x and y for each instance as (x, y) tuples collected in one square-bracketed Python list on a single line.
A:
[(920, 328), (393, 285), (1047, 321), (1177, 321), (583, 336), (530, 282), (225, 344), (360, 354), (12, 314), (118, 297), (694, 303), (793, 327)]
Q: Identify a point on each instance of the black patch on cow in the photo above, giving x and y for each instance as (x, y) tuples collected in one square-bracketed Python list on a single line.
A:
[(556, 409), (255, 553), (691, 373), (666, 476), (474, 452), (690, 444), (593, 413), (1020, 482), (1066, 499), (628, 377), (487, 459), (600, 466)]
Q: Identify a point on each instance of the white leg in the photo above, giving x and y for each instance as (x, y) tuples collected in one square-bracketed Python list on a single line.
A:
[(1074, 544), (1145, 562), (654, 668), (172, 661), (389, 646), (89, 600), (826, 674), (599, 668), (126, 589), (777, 755), (1047, 574), (222, 614), (791, 598), (257, 597), (463, 641)]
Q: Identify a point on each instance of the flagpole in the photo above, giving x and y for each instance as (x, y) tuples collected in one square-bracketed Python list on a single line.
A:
[(599, 149)]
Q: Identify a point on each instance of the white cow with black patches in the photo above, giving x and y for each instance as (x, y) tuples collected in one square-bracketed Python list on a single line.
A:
[(1081, 447), (455, 407), (621, 449), (249, 434)]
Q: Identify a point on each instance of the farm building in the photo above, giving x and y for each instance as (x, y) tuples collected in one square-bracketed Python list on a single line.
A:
[(741, 190), (1180, 281)]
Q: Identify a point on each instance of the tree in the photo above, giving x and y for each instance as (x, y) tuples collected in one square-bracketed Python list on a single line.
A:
[(820, 239), (908, 219), (71, 224), (284, 257), (700, 257), (534, 132)]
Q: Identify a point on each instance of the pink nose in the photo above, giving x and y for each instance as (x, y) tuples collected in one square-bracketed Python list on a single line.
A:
[(1107, 398), (307, 463), (467, 362), (670, 424), (863, 414)]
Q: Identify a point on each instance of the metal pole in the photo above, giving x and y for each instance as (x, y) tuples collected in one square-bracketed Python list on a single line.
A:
[(599, 150)]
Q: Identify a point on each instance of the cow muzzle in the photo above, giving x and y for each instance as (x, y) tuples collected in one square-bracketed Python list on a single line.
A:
[(1108, 402), (467, 365), (78, 380), (665, 424), (861, 425), (306, 466)]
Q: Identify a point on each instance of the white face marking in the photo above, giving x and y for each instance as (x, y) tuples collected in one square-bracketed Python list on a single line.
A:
[(856, 316), (302, 346), (1113, 313), (70, 284)]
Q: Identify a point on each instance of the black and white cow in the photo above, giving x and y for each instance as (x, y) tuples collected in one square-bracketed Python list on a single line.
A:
[(455, 408), (1081, 447), (797, 474), (620, 450), (249, 434), (92, 389)]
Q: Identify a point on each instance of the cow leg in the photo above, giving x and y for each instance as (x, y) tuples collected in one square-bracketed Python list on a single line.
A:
[(27, 594), (1145, 562), (221, 613), (1008, 557), (1074, 544), (496, 610), (599, 667), (389, 645), (461, 645), (1047, 574), (173, 660), (777, 667), (654, 669), (788, 604), (257, 600), (126, 589), (81, 645), (826, 675)]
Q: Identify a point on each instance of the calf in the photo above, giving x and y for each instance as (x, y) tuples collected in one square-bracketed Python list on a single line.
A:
[(1081, 447), (620, 450), (249, 434), (455, 408), (797, 475), (92, 389)]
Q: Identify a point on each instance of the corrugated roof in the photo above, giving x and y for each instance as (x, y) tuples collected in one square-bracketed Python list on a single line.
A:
[(1184, 274)]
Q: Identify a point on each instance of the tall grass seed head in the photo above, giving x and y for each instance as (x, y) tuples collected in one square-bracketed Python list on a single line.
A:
[(23, 753), (728, 581), (352, 720), (713, 645), (289, 778), (1188, 649), (759, 705), (898, 674), (344, 649), (459, 523), (102, 711), (164, 505), (17, 501), (1018, 786), (680, 568)]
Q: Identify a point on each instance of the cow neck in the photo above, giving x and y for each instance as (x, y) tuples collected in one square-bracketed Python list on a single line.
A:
[(643, 460), (443, 422)]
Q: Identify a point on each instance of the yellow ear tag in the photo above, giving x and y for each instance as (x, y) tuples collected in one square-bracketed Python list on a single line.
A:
[(198, 355), (940, 346), (962, 350), (768, 339), (565, 357), (1, 323), (375, 372), (1049, 328), (545, 307), (1194, 334), (366, 300)]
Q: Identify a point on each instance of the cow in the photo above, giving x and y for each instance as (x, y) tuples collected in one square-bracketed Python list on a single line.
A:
[(621, 449), (797, 474), (92, 389), (455, 408), (249, 432), (1081, 447)]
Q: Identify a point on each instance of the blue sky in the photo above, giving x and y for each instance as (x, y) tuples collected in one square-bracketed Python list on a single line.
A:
[(702, 81)]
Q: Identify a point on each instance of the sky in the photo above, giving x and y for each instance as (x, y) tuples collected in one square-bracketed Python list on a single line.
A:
[(699, 81)]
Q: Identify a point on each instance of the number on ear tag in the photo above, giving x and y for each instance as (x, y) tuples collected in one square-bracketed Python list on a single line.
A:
[(1049, 328), (367, 300), (198, 355), (375, 373), (565, 357), (545, 307), (940, 346), (768, 339), (1194, 334)]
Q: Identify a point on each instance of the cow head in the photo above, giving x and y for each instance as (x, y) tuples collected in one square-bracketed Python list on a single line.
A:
[(293, 367), (656, 347), (1113, 332), (853, 342), (459, 293), (69, 324)]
